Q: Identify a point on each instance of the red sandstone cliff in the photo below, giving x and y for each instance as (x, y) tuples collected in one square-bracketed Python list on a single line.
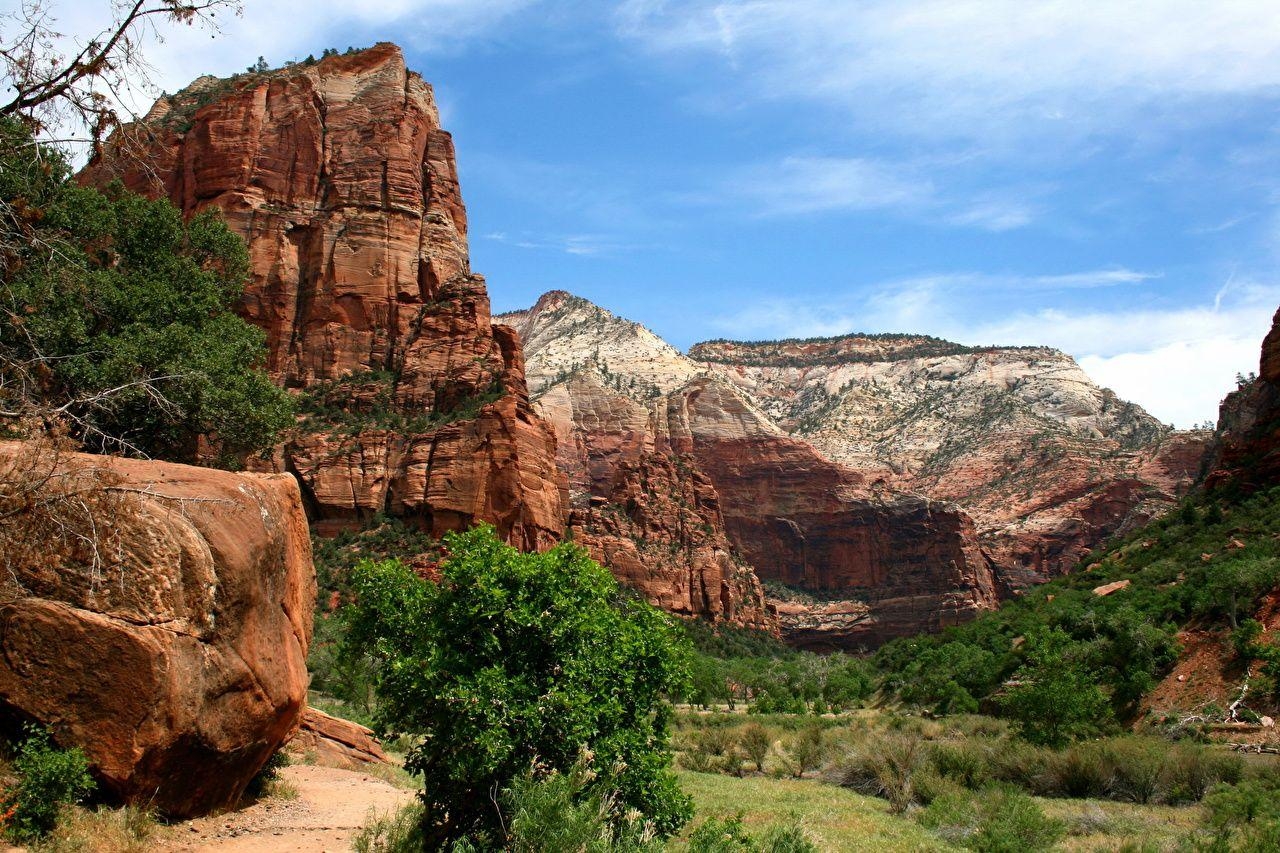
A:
[(676, 475), (1248, 447), (1047, 463), (342, 182)]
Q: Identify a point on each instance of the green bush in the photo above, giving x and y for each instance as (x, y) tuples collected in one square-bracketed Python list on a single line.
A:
[(1011, 822), (886, 766), (1082, 771), (1139, 765), (721, 835), (756, 743), (48, 779), (806, 751), (1057, 698), (514, 658), (1192, 769), (400, 832)]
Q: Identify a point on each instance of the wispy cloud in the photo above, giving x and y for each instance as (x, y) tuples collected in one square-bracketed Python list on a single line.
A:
[(798, 185), (963, 67), (582, 245)]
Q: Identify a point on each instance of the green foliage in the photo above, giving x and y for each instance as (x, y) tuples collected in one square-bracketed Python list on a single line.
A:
[(555, 811), (1126, 640), (120, 314), (756, 744), (514, 658), (1056, 698), (730, 835), (48, 779), (998, 821), (400, 832)]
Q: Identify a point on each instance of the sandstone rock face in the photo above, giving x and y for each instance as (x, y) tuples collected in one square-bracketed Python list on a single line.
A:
[(334, 742), (662, 450), (1047, 463), (160, 622), (1248, 449), (344, 185)]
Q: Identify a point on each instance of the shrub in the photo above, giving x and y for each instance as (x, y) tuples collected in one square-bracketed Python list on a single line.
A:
[(1011, 822), (806, 751), (965, 762), (886, 767), (513, 658), (717, 835), (1139, 765), (756, 743), (267, 781), (400, 832), (48, 779), (1192, 769), (561, 811), (788, 837), (1084, 770), (124, 830)]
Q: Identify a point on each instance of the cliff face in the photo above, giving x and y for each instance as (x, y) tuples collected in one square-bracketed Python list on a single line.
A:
[(342, 182), (1046, 463), (675, 473), (1248, 448)]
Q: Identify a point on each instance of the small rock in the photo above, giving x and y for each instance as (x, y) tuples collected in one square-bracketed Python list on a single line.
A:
[(1206, 557), (1267, 723), (1182, 678)]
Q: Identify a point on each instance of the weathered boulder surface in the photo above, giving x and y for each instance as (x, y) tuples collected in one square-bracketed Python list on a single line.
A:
[(344, 185), (156, 615)]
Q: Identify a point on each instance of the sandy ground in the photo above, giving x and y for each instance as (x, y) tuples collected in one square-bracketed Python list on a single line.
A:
[(331, 806)]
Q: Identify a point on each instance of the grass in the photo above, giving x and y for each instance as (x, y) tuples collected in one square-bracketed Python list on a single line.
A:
[(103, 830), (1097, 825), (837, 819)]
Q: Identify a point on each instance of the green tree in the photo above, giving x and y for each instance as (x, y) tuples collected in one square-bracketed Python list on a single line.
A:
[(1056, 698), (514, 660), (116, 317)]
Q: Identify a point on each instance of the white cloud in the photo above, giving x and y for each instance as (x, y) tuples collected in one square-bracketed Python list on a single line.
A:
[(966, 66), (278, 30), (798, 185), (1180, 383), (1176, 361)]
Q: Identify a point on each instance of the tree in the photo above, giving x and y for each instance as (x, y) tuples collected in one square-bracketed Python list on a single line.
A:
[(116, 317), (49, 89), (514, 661), (1056, 699)]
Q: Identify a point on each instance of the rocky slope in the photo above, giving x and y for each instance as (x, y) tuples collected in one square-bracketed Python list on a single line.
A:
[(156, 615), (679, 481), (1248, 447), (1047, 463), (342, 182)]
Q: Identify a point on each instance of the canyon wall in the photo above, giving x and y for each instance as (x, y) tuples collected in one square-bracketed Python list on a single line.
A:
[(343, 184), (1248, 449), (1047, 463), (654, 442)]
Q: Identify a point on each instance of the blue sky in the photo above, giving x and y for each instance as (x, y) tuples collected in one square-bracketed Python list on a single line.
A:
[(1096, 176)]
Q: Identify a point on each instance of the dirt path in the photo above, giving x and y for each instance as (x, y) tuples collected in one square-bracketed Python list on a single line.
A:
[(331, 806)]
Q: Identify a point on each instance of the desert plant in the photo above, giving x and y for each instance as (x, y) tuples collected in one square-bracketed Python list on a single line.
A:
[(1139, 764), (756, 742), (721, 835), (398, 832), (129, 829), (49, 778), (886, 767), (806, 751), (1082, 770), (1011, 822), (1192, 769)]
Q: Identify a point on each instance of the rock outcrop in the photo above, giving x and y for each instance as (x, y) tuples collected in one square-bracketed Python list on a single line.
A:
[(342, 182), (156, 615), (677, 476), (333, 742), (1248, 447), (1047, 463)]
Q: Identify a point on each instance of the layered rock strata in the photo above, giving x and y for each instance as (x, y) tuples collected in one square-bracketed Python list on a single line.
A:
[(157, 616), (343, 184), (1047, 463), (659, 450)]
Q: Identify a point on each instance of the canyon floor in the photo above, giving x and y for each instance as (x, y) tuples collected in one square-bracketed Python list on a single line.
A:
[(329, 809)]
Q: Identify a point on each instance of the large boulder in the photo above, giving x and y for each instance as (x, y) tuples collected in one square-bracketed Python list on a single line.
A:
[(155, 615)]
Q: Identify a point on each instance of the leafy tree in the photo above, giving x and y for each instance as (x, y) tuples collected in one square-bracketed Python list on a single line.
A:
[(1057, 699), (515, 659), (116, 316)]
